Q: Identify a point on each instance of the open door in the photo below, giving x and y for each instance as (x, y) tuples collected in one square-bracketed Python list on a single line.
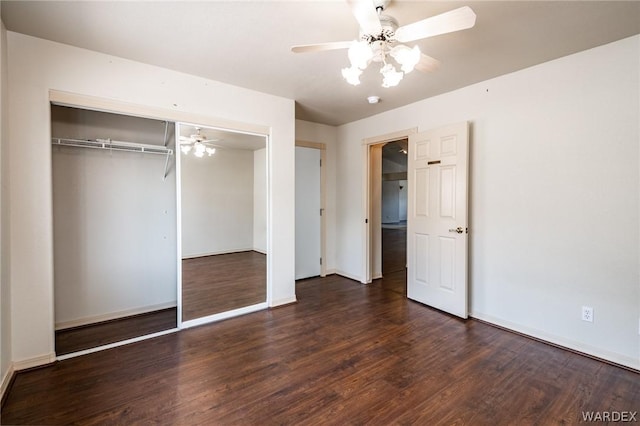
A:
[(437, 218)]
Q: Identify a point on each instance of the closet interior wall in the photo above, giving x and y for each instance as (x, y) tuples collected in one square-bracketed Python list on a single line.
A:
[(114, 216)]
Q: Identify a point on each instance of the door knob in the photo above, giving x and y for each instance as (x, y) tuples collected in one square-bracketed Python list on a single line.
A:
[(459, 230)]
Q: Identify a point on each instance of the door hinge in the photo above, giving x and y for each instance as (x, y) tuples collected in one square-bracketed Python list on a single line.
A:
[(366, 221), (320, 162), (321, 261), (321, 211)]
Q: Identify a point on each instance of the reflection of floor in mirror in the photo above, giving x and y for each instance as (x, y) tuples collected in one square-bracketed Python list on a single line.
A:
[(223, 282), (102, 333)]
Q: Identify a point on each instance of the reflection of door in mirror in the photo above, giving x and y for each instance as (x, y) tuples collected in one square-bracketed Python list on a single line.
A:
[(223, 220), (114, 232)]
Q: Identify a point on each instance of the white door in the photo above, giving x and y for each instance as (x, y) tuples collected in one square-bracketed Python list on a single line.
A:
[(308, 242), (437, 218)]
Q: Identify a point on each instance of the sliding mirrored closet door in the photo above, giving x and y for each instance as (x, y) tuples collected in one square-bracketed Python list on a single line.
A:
[(223, 221), (115, 237)]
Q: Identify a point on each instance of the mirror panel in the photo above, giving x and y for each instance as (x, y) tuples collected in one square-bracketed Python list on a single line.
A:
[(223, 181)]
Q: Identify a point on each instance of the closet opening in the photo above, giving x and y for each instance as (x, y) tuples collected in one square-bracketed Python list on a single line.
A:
[(114, 216)]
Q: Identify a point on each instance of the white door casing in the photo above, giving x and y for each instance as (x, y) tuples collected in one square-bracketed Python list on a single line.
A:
[(437, 212), (308, 220)]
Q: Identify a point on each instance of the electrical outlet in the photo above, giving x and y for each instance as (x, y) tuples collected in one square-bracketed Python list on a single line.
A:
[(587, 313)]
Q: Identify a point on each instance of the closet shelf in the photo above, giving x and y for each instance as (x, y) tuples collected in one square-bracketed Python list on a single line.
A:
[(118, 146), (114, 145)]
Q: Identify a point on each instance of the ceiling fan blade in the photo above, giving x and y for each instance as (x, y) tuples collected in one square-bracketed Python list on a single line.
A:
[(366, 15), (303, 48), (321, 47), (455, 20), (427, 63)]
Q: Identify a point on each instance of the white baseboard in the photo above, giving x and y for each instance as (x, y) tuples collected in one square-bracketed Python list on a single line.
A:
[(113, 315), (281, 302), (34, 362), (215, 253), (259, 251), (347, 275), (561, 341), (6, 380)]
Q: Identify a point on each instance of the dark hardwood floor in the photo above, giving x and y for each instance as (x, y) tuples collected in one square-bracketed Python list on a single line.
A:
[(346, 353), (220, 283), (91, 336)]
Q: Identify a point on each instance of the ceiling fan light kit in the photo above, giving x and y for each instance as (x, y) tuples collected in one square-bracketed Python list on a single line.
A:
[(198, 143), (380, 37)]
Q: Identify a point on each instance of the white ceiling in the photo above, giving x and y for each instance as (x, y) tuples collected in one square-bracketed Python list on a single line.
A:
[(247, 43), (226, 138)]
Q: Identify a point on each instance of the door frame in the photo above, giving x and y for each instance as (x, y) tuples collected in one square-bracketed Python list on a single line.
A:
[(367, 226), (323, 217)]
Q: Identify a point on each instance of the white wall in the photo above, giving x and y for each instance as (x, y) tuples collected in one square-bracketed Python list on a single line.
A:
[(402, 196), (35, 67), (260, 200), (390, 201), (114, 235), (321, 133), (554, 204), (217, 203), (389, 166), (5, 293), (113, 220)]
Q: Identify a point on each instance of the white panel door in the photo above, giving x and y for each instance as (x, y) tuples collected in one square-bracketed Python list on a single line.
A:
[(437, 218), (308, 226)]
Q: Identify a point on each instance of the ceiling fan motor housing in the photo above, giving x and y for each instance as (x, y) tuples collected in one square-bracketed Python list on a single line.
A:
[(389, 26)]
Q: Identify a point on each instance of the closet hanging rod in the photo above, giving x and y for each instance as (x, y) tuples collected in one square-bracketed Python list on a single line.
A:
[(113, 145)]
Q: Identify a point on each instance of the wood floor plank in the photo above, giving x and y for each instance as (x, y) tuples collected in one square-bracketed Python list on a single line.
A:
[(344, 354)]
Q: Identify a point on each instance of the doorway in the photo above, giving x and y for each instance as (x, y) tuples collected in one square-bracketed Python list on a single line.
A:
[(372, 156), (393, 215)]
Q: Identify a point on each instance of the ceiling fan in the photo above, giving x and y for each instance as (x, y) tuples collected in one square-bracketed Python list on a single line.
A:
[(199, 143), (381, 37)]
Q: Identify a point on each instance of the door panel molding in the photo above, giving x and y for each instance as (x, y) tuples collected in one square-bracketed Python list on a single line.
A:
[(437, 242)]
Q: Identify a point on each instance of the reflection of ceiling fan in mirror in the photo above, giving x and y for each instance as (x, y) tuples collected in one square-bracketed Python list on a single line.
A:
[(380, 39), (198, 143)]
